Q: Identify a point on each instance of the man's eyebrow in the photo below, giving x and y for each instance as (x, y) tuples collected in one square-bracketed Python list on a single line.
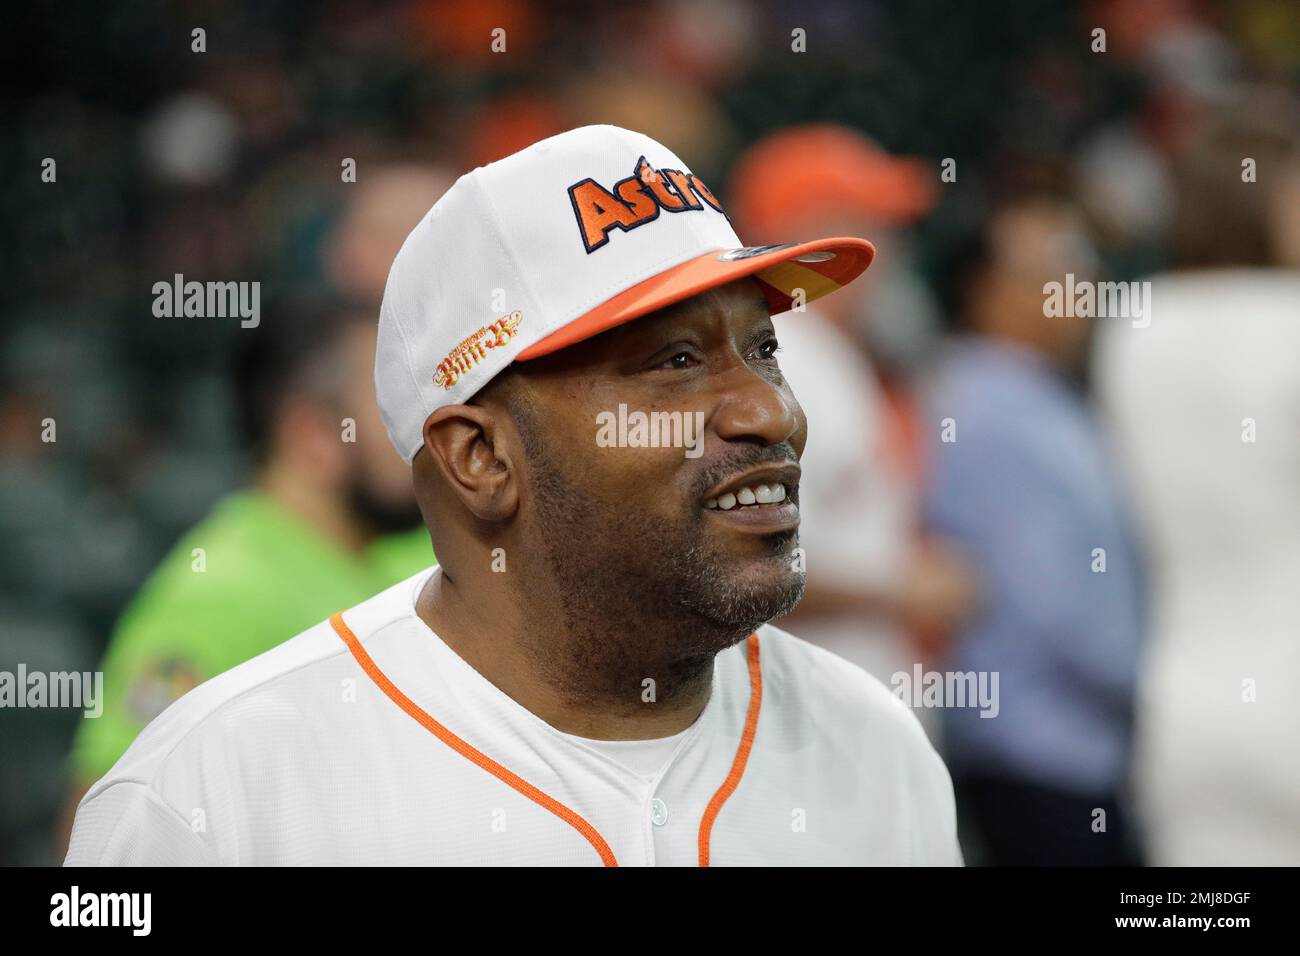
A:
[(758, 304), (679, 310), (670, 321)]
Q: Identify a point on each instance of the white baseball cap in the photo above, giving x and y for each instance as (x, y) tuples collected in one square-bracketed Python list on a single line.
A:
[(567, 238)]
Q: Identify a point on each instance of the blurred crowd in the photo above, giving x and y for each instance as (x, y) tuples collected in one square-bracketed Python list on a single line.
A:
[(1103, 511)]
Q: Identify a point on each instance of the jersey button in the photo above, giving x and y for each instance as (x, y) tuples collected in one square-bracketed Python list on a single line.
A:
[(658, 812)]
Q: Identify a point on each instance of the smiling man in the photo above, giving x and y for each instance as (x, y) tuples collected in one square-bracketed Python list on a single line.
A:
[(587, 676)]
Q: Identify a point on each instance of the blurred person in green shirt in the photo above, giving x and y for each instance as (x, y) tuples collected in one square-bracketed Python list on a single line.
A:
[(329, 519)]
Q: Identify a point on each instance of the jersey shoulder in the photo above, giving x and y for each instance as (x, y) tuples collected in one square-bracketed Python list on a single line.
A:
[(823, 705), (807, 681), (262, 689)]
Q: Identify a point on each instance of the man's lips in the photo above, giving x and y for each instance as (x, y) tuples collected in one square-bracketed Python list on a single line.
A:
[(786, 475), (759, 519), (760, 500)]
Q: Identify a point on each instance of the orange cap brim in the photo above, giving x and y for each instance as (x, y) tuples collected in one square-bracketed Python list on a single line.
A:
[(780, 272)]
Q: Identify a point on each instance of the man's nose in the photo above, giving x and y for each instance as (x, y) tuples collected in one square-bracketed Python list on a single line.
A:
[(756, 409)]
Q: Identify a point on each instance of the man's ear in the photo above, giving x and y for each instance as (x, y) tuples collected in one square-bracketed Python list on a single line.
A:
[(475, 458)]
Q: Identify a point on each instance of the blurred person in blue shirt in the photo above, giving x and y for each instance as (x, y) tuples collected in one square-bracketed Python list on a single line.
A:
[(1022, 481)]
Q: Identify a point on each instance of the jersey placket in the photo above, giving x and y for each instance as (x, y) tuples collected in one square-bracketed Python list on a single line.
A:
[(549, 803)]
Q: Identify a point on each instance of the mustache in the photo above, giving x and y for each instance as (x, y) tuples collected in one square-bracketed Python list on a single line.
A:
[(742, 458)]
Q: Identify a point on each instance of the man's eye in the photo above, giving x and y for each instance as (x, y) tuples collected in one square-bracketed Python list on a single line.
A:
[(769, 349), (679, 361)]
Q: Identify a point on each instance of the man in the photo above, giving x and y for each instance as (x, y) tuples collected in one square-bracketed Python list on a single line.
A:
[(328, 519), (375, 221), (587, 677), (1023, 483)]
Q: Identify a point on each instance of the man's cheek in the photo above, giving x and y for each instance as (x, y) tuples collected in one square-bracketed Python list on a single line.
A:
[(658, 439)]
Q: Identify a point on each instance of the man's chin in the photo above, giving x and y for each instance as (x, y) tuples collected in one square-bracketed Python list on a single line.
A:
[(743, 598)]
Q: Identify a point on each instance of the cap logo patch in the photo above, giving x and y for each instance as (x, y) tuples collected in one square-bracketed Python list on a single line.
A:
[(748, 252), (635, 201), (474, 349)]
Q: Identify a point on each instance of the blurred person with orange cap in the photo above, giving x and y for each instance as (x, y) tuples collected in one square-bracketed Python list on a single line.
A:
[(872, 582), (1204, 402)]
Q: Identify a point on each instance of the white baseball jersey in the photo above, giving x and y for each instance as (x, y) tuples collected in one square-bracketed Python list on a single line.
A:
[(367, 740)]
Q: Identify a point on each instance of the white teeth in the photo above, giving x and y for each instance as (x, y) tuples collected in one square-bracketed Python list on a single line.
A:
[(749, 495)]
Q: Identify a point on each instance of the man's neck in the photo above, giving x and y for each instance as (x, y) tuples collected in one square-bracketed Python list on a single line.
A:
[(532, 658)]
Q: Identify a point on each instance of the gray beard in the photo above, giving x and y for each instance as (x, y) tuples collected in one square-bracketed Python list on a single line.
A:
[(640, 599)]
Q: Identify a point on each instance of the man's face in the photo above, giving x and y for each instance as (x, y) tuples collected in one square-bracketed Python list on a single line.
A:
[(663, 529), (1034, 244), (377, 482)]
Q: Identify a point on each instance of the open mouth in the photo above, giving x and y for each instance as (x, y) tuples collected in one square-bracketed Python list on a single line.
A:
[(758, 501), (749, 496)]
